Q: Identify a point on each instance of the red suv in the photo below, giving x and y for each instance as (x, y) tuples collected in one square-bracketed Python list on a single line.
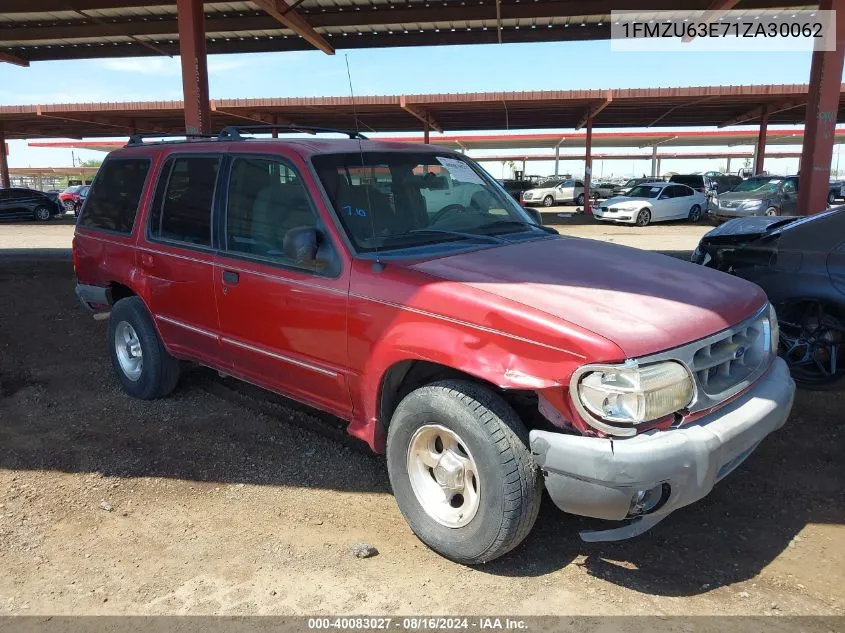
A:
[(487, 355)]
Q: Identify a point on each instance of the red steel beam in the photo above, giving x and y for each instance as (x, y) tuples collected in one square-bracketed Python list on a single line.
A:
[(593, 111), (820, 122), (287, 15), (420, 113), (194, 65), (4, 163), (760, 148), (756, 113), (12, 59), (588, 165)]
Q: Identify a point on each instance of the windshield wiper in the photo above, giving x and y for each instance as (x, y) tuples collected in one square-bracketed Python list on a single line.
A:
[(515, 223), (468, 236)]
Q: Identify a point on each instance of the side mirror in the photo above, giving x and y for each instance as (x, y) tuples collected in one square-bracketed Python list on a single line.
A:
[(535, 215), (300, 246)]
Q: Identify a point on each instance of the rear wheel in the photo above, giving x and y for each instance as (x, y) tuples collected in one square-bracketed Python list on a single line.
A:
[(42, 213), (831, 197), (695, 213), (580, 199), (548, 201), (643, 217), (812, 342), (462, 471), (144, 367), (771, 211)]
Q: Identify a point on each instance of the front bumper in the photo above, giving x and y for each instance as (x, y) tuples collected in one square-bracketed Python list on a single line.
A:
[(598, 477)]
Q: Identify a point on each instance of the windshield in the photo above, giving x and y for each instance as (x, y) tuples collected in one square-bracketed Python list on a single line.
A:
[(549, 183), (394, 200), (73, 189), (632, 182), (758, 185), (645, 191)]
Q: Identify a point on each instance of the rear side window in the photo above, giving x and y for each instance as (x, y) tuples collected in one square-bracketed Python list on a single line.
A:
[(184, 197), (690, 181), (113, 200)]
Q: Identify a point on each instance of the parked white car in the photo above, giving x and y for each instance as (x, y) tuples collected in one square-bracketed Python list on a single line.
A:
[(554, 192), (653, 202)]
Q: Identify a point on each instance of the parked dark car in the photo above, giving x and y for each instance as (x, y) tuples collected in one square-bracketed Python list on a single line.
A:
[(699, 182), (19, 202), (760, 195), (517, 187), (800, 263)]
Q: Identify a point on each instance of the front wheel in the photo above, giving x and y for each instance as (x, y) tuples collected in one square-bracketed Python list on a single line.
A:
[(812, 342), (42, 213), (695, 213), (548, 201), (771, 211), (461, 470), (144, 367), (580, 199), (831, 197), (643, 217)]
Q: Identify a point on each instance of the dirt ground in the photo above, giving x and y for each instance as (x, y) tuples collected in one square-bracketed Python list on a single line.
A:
[(213, 501)]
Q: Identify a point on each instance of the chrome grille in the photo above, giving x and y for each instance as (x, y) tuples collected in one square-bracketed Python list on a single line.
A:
[(725, 363), (721, 364)]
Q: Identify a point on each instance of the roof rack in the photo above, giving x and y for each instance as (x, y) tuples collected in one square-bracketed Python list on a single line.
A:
[(138, 139), (233, 132)]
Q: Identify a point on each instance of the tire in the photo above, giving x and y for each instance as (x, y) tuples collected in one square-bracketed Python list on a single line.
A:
[(157, 373), (580, 200), (695, 213), (489, 436), (643, 217), (831, 198), (548, 201), (42, 213), (771, 211), (810, 331)]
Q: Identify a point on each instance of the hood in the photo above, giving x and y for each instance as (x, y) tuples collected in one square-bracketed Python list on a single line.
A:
[(624, 200), (745, 195), (744, 228), (643, 302)]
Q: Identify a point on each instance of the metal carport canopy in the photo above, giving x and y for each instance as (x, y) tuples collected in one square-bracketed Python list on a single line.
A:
[(564, 109), (40, 30)]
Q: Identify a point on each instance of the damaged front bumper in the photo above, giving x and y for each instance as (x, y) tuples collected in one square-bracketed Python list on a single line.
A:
[(604, 478)]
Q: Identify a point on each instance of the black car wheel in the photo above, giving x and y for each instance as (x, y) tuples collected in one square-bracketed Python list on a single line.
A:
[(643, 217), (812, 342), (42, 213), (695, 213), (831, 197), (580, 199)]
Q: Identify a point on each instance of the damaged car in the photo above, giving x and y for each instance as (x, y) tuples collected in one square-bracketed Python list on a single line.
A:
[(486, 355), (800, 263)]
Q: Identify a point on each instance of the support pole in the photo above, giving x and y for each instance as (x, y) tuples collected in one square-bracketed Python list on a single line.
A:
[(194, 65), (654, 161), (557, 159), (820, 118), (657, 175), (729, 165), (426, 128), (4, 163), (588, 165), (760, 148)]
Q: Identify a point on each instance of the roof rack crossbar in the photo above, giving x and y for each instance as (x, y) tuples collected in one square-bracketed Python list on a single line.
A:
[(233, 132), (138, 139)]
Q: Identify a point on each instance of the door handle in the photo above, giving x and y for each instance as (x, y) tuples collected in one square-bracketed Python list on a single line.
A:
[(230, 277)]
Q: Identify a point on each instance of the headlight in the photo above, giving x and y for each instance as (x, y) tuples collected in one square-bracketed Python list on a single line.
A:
[(774, 329), (627, 395), (752, 204)]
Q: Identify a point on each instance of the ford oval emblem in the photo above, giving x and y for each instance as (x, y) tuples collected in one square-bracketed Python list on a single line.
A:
[(740, 352)]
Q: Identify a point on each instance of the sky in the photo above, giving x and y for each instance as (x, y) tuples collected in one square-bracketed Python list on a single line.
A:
[(477, 68)]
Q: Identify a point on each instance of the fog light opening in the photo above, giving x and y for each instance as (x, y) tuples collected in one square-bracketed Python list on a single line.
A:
[(648, 501)]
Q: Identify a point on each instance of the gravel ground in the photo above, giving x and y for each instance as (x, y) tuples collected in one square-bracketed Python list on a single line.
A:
[(213, 501)]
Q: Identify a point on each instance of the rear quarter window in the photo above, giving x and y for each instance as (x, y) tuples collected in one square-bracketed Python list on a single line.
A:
[(112, 203)]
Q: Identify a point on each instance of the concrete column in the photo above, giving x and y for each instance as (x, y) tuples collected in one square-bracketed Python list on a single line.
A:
[(588, 165), (654, 161), (5, 181), (194, 65), (820, 121), (760, 148), (729, 165), (658, 167)]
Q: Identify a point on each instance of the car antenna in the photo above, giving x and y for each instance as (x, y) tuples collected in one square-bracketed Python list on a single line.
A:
[(378, 265)]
